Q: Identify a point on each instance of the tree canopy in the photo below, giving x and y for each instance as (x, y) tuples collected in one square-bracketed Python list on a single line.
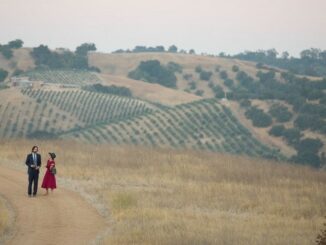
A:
[(153, 72), (3, 74)]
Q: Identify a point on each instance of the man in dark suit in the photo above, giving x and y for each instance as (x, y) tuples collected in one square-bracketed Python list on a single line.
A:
[(33, 161)]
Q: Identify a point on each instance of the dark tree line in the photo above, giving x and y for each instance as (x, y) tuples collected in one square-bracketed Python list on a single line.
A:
[(153, 72), (7, 49), (159, 48), (312, 62), (258, 117), (112, 89), (45, 58)]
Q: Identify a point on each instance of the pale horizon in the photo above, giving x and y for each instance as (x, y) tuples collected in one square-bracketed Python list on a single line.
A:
[(207, 26)]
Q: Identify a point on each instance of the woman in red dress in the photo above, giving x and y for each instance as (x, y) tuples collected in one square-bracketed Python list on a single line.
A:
[(49, 181)]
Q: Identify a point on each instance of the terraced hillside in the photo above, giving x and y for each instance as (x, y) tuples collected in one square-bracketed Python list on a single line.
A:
[(21, 116), (89, 107), (76, 77), (99, 118), (252, 93), (201, 125), (280, 108)]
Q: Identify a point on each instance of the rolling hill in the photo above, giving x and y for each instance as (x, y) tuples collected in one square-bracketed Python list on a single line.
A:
[(193, 115)]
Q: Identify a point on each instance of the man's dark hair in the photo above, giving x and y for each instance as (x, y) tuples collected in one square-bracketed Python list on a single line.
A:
[(35, 146)]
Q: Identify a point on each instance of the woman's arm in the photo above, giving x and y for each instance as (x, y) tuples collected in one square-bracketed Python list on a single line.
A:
[(51, 165)]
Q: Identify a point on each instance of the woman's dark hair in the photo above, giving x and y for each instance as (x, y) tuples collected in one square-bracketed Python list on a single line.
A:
[(35, 146), (52, 155)]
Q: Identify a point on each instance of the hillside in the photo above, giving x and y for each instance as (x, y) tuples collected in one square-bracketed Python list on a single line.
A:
[(122, 64), (150, 92), (239, 86), (237, 79), (21, 60)]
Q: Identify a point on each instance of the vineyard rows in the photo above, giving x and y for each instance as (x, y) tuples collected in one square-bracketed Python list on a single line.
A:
[(202, 125), (20, 119), (91, 107), (101, 118), (63, 76)]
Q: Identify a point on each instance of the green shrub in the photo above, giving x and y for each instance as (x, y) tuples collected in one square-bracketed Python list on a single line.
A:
[(258, 117), (280, 112), (153, 72), (223, 75), (277, 130), (309, 158), (199, 92), (229, 82), (192, 85), (305, 121), (205, 75), (198, 69), (235, 68), (17, 72), (6, 51), (245, 103), (309, 145), (3, 74), (292, 135), (187, 76), (174, 67), (260, 65), (117, 90), (218, 91)]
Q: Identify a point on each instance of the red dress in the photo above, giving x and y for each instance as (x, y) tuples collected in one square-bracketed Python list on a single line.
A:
[(49, 179)]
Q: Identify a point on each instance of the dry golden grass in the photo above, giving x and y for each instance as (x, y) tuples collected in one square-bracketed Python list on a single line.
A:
[(121, 64), (21, 59), (183, 197), (149, 91), (4, 219)]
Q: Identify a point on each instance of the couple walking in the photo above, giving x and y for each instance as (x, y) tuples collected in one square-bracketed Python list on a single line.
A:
[(33, 161)]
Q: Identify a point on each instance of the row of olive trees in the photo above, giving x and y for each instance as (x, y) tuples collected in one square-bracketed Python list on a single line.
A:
[(90, 107), (201, 125), (143, 49)]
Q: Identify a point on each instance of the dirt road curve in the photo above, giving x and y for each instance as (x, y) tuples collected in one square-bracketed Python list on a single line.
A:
[(61, 218)]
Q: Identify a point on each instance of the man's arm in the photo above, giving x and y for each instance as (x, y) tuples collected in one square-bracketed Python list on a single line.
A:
[(28, 162)]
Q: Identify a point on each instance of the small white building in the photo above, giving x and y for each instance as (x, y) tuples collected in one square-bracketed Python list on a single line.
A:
[(25, 82), (69, 85), (21, 82)]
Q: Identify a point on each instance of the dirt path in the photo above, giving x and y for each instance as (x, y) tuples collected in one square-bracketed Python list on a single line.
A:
[(61, 218)]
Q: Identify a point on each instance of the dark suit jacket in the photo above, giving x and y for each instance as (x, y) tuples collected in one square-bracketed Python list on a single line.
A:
[(29, 162)]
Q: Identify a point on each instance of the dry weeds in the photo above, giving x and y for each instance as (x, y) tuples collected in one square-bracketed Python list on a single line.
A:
[(4, 218), (183, 197)]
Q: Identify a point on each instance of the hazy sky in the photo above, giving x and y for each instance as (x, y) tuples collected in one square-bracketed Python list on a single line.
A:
[(208, 26)]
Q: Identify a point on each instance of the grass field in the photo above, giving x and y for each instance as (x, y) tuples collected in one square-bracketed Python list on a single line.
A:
[(186, 197), (4, 219)]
